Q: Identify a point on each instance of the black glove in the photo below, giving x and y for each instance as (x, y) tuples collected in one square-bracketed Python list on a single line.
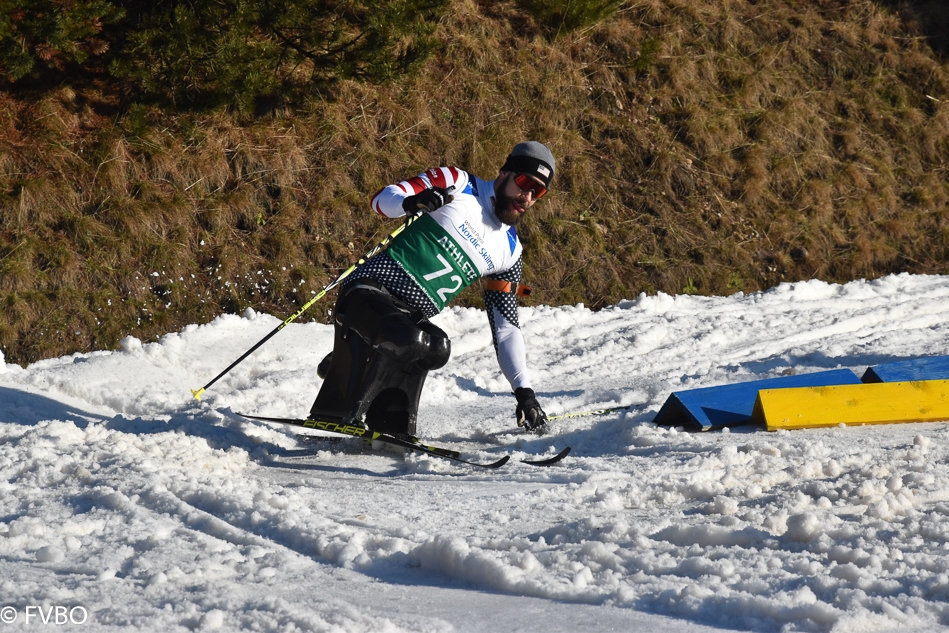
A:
[(427, 200), (529, 414)]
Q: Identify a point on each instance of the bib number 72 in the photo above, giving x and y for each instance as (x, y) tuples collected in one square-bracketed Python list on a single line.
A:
[(444, 293)]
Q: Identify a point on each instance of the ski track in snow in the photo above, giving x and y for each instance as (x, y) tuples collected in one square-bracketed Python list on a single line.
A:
[(121, 493)]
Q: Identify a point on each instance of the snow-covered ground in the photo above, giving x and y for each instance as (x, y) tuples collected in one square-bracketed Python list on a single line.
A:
[(128, 505)]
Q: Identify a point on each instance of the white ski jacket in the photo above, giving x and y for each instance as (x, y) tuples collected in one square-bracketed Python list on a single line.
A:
[(446, 250)]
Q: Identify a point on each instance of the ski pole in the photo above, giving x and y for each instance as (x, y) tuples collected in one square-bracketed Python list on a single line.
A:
[(375, 251), (584, 414)]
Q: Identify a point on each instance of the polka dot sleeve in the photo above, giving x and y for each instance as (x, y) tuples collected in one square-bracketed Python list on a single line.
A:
[(505, 329)]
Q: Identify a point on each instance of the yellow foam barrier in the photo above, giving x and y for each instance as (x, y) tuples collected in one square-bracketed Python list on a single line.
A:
[(879, 403)]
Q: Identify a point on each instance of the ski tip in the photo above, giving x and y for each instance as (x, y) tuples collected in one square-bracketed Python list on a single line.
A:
[(498, 463), (197, 394), (547, 462)]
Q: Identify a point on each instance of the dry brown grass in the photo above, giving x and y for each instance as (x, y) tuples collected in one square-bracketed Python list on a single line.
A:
[(709, 146)]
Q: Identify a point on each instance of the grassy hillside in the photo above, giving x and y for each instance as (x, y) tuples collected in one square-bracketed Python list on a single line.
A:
[(707, 146)]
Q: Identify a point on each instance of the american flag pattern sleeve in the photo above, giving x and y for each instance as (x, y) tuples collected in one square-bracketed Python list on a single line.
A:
[(388, 201)]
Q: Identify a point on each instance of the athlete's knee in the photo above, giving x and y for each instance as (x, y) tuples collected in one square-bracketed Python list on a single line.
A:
[(439, 352), (403, 341)]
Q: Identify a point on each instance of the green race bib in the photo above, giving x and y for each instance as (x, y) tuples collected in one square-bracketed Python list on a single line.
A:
[(434, 260)]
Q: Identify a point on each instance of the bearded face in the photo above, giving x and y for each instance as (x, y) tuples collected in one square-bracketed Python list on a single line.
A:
[(510, 201)]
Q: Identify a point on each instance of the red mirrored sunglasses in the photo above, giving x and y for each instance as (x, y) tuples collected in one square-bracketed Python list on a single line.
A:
[(525, 183)]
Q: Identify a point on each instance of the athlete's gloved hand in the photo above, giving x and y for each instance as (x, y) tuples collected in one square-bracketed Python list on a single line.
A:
[(529, 414), (427, 200)]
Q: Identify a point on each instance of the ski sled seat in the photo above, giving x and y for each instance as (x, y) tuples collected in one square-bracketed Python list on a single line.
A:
[(382, 352)]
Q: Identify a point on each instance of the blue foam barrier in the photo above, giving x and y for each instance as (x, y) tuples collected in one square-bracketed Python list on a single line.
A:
[(926, 368), (710, 408)]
